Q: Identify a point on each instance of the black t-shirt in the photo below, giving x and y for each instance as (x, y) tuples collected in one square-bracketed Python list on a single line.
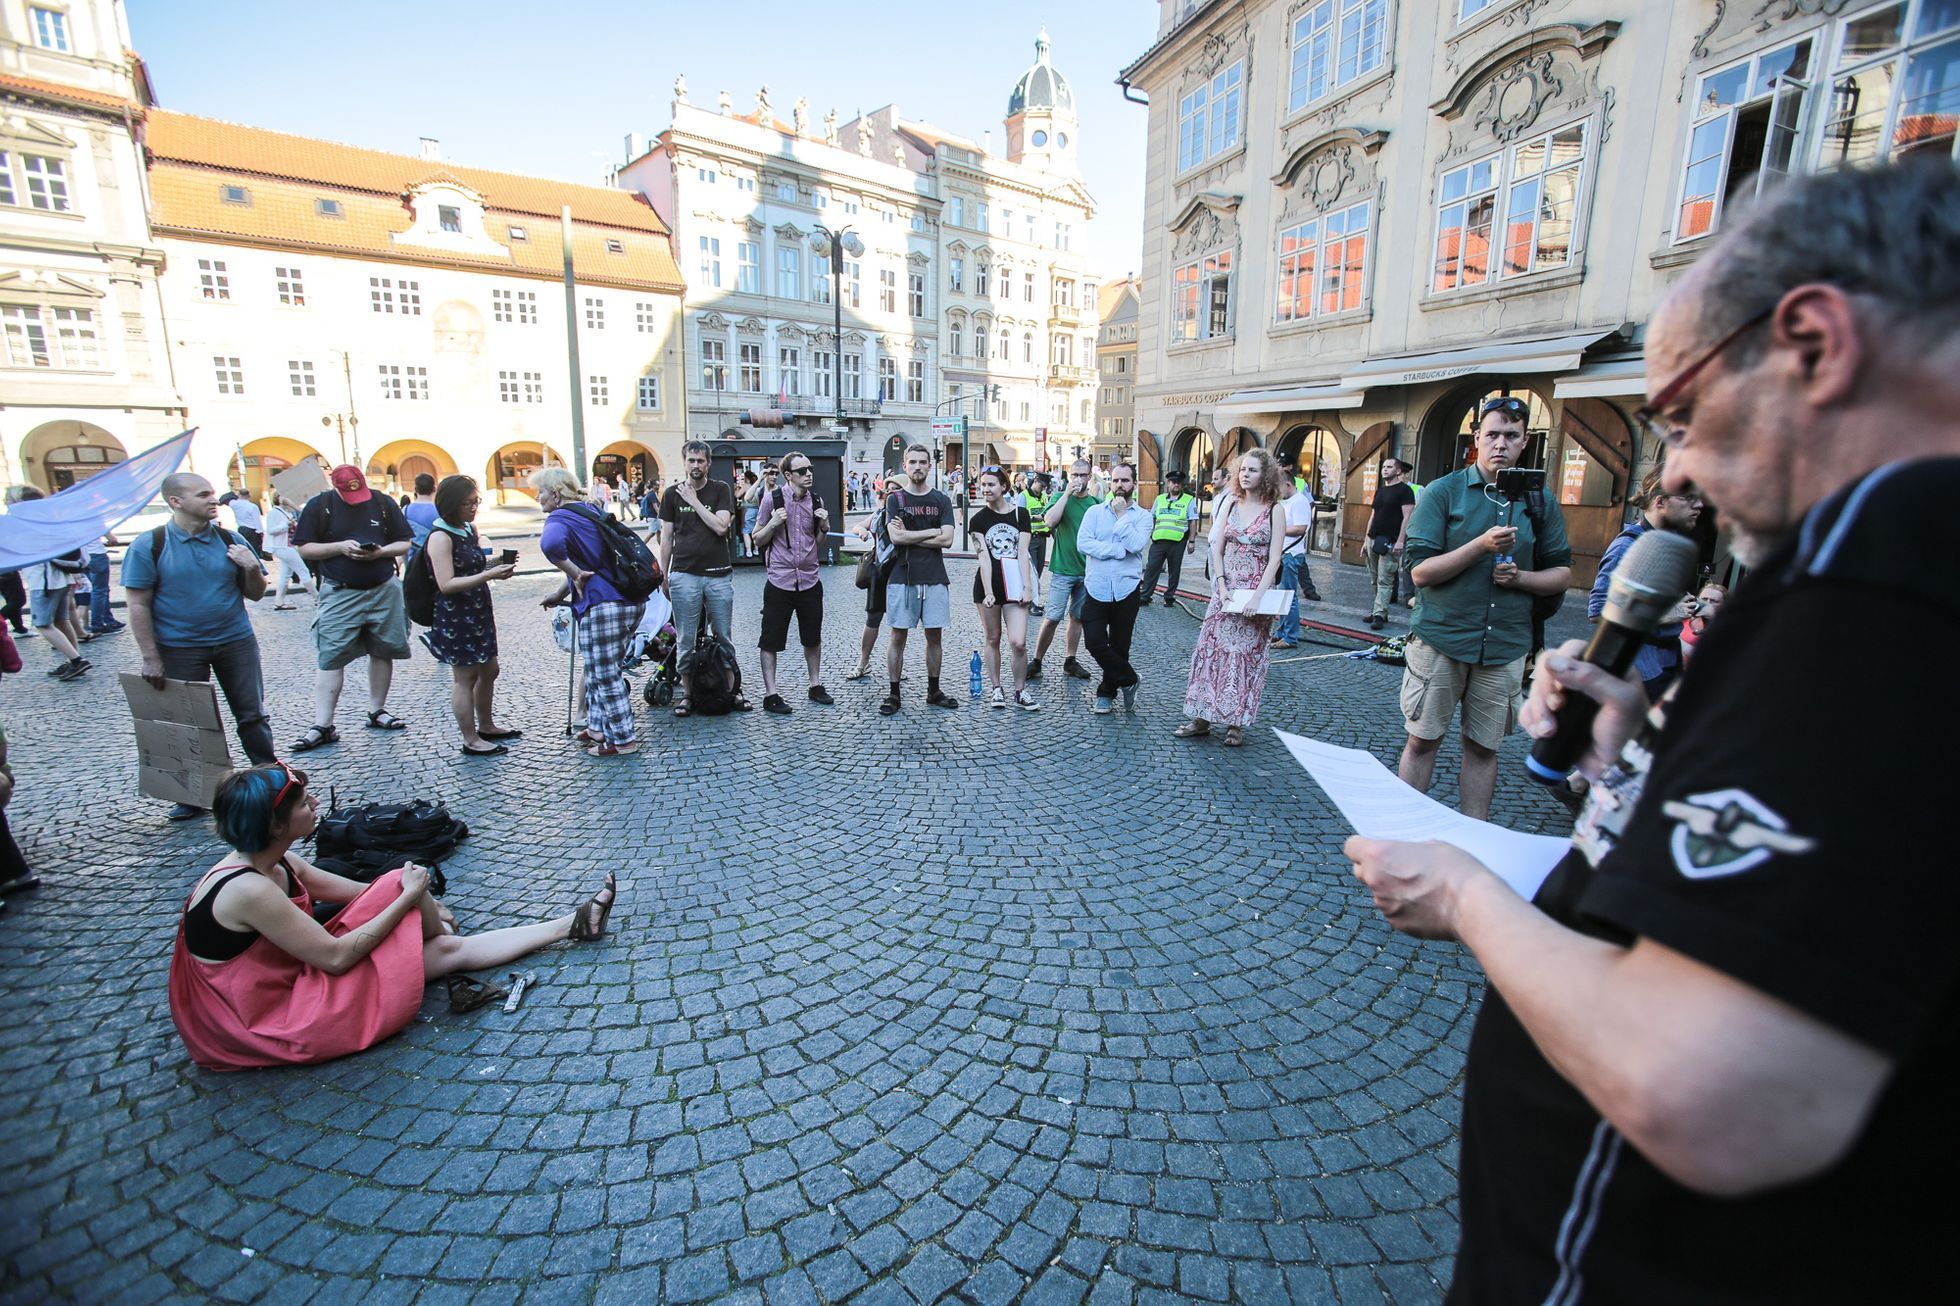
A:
[(1390, 500), (915, 564), (1730, 833), (1000, 535), (328, 517), (697, 549)]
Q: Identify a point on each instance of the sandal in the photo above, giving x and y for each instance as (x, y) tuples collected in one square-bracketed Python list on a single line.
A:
[(494, 735), (1234, 737), (589, 921), (603, 749), (584, 737), (862, 671), (466, 994), (1190, 730), (316, 737), (743, 704), (682, 709), (392, 722), (495, 750)]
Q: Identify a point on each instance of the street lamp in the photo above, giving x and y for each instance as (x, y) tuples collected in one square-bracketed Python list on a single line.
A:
[(834, 245)]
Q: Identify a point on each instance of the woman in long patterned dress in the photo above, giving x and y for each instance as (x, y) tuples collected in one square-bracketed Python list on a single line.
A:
[(464, 637), (1228, 667)]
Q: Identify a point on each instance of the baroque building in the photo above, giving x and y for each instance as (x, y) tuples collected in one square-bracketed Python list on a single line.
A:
[(1116, 368), (1553, 165)]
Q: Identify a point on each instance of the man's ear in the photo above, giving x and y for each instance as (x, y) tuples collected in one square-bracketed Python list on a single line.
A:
[(1821, 325)]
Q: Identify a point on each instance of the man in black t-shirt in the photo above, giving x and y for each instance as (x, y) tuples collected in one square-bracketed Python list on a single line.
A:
[(1388, 532), (352, 536), (694, 557), (1715, 1060), (920, 521)]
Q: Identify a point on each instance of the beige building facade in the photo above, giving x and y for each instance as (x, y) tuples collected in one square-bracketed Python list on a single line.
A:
[(85, 377), (1120, 307), (1363, 217)]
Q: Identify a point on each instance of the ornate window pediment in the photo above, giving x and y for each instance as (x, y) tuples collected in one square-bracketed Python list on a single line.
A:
[(751, 226), (34, 133), (957, 248), (1513, 90), (916, 259), (789, 231), (713, 322), (752, 326), (790, 331), (49, 287), (1209, 221)]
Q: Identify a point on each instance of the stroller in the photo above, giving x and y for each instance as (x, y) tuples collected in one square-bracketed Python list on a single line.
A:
[(655, 640)]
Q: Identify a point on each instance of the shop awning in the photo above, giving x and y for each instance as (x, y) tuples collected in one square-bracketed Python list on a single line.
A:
[(1009, 454), (1612, 377), (1553, 354), (1292, 399)]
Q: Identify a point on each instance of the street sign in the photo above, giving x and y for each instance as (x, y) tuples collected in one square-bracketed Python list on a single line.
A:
[(949, 428)]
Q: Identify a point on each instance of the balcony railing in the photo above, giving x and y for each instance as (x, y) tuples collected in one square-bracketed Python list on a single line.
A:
[(1064, 315), (825, 406), (1063, 372)]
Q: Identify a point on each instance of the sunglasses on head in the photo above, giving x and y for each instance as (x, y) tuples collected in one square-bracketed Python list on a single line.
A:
[(1506, 404), (294, 779)]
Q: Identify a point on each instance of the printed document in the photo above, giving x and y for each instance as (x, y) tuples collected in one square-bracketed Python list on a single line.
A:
[(1379, 806), (1277, 603)]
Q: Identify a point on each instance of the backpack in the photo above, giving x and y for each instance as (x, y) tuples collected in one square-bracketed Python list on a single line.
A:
[(419, 588), (362, 842), (776, 509), (713, 676), (156, 552), (628, 563)]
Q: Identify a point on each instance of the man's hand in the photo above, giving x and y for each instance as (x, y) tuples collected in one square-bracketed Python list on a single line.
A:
[(353, 548), (1505, 575), (1191, 547), (823, 516), (242, 557), (1622, 704), (1499, 539), (152, 671), (1417, 886)]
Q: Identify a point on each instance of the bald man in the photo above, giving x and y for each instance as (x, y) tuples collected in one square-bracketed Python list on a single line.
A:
[(188, 581)]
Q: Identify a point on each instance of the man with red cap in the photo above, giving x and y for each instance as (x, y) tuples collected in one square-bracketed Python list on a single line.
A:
[(352, 537)]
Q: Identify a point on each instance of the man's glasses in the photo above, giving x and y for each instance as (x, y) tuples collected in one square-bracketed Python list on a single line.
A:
[(1509, 404), (1652, 415), (804, 470)]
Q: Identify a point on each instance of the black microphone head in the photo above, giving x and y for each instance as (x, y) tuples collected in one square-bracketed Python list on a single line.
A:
[(1656, 571)]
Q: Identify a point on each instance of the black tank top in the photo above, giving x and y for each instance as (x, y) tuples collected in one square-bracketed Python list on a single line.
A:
[(214, 942)]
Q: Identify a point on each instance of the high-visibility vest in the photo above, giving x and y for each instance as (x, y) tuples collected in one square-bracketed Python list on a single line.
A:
[(1037, 512), (1170, 518)]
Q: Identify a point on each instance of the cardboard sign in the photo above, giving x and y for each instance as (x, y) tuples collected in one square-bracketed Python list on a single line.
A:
[(300, 482), (181, 748)]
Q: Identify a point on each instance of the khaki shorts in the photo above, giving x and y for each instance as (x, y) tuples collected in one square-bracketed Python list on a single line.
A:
[(1432, 686), (361, 623)]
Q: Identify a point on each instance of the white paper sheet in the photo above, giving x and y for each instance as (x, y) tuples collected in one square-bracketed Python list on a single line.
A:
[(1378, 805), (1277, 603), (1010, 576)]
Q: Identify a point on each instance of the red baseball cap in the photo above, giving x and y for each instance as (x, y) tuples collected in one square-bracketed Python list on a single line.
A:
[(350, 484)]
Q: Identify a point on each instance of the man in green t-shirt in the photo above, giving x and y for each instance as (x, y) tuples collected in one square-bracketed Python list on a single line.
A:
[(1065, 571)]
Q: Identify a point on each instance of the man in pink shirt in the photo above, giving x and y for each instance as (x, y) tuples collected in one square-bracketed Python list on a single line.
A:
[(790, 524)]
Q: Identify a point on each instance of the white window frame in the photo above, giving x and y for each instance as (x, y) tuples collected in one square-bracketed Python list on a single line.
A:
[(1347, 39), (43, 179), (598, 390), (1910, 46), (527, 308), (823, 364), (1211, 117), (887, 289), (50, 29), (595, 313), (647, 394), (214, 280), (710, 247), (853, 375), (290, 284), (1789, 100), (748, 266), (956, 275), (230, 374), (915, 293), (1195, 289), (507, 389), (534, 387), (888, 377), (300, 378), (789, 271), (955, 338), (1506, 188), (915, 381), (502, 306), (789, 370), (1319, 256), (714, 354), (748, 377)]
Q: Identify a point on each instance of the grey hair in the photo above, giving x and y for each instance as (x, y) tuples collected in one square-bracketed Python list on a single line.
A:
[(556, 479), (1890, 232)]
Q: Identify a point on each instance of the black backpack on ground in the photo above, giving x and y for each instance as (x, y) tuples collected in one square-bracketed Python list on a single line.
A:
[(419, 589), (713, 677), (364, 841), (628, 563)]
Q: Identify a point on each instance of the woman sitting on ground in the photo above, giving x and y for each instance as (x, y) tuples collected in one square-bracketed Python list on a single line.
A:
[(257, 981)]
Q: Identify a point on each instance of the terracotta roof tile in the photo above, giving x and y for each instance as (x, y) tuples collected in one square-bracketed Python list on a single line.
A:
[(73, 94)]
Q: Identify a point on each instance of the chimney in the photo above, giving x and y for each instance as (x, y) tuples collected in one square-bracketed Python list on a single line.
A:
[(432, 149), (987, 141), (636, 145)]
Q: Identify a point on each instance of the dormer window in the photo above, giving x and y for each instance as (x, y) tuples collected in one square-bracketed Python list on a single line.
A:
[(329, 209), (518, 235), (450, 218), (615, 247), (235, 195)]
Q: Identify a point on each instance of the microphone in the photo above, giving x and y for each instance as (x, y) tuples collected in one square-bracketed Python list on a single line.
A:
[(1649, 581)]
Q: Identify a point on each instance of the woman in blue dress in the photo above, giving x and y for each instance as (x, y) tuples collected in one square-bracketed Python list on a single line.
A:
[(464, 636)]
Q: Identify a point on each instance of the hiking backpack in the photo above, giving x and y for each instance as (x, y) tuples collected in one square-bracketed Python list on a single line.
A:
[(364, 841), (628, 562), (713, 677)]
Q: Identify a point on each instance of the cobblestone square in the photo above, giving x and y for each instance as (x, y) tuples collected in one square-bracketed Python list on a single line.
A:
[(977, 1005)]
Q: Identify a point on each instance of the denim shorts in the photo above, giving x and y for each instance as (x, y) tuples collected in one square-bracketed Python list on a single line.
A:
[(48, 606), (1065, 596), (907, 606)]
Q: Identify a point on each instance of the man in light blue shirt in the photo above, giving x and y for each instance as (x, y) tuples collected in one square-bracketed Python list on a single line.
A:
[(1113, 539)]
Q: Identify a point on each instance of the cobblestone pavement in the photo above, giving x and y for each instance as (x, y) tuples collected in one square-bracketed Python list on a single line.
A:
[(977, 1005)]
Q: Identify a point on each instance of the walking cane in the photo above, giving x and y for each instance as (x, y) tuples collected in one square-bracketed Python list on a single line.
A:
[(571, 681)]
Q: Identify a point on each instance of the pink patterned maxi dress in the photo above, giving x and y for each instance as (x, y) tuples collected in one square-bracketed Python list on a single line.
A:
[(1228, 668)]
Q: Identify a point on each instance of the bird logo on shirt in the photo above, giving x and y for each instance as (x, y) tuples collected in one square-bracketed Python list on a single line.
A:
[(1727, 832)]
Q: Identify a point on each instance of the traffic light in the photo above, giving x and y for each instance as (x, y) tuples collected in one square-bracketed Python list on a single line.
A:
[(993, 393)]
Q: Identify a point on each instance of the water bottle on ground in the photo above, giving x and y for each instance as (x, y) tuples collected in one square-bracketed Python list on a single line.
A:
[(973, 684)]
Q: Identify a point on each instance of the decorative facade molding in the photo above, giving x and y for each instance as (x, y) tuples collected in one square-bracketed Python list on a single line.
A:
[(1524, 82), (712, 322), (1586, 42), (1349, 138), (752, 326)]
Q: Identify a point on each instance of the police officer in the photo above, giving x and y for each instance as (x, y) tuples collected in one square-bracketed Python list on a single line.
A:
[(1173, 521), (1036, 501)]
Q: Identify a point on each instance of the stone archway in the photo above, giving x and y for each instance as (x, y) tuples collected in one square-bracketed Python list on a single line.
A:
[(56, 455), (264, 459), (507, 470), (628, 460), (396, 465)]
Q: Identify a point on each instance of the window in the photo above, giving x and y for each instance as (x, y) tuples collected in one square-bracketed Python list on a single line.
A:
[(850, 207), (1334, 43), (745, 183), (230, 375), (213, 282), (1006, 282), (819, 279), (643, 315), (1061, 350), (1208, 117), (956, 339), (748, 266), (1201, 299), (299, 375), (918, 222), (854, 273), (1538, 183), (888, 289), (595, 313), (887, 378), (786, 191), (789, 272), (648, 393), (384, 294), (329, 209), (714, 364), (518, 235), (1063, 232), (235, 195), (1027, 287), (749, 375), (507, 391), (27, 344), (1470, 8), (823, 365), (1896, 87), (1322, 263), (1027, 411), (915, 293), (1747, 117), (853, 376), (1027, 225), (50, 29), (915, 381), (956, 275), (292, 290), (1003, 343), (597, 391), (533, 387), (711, 261), (822, 200), (789, 370), (401, 382), (391, 382), (1062, 292), (527, 308), (956, 211), (450, 218), (1006, 221), (1027, 346), (979, 216), (705, 175), (615, 246), (1085, 412), (500, 306)]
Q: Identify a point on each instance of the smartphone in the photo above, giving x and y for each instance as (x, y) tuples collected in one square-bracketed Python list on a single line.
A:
[(1514, 483), (368, 547)]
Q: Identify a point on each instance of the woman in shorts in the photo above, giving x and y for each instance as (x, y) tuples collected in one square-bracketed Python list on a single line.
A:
[(1003, 585)]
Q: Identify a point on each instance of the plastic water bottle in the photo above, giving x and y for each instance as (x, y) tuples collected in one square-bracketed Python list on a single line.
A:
[(973, 685)]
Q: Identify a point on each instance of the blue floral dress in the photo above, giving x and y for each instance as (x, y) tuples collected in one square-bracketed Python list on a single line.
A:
[(465, 633)]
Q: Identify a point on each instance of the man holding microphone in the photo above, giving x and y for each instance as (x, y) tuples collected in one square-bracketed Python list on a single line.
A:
[(1714, 1059)]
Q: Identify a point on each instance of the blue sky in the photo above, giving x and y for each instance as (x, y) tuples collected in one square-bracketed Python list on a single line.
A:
[(554, 90)]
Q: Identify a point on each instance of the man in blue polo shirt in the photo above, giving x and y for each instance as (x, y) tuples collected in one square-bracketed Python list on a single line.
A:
[(188, 581)]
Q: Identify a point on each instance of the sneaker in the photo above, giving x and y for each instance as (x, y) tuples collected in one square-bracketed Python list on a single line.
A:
[(1129, 698), (184, 812), (423, 635), (774, 703), (71, 670), (1169, 601), (818, 694), (998, 699), (1026, 701), (1103, 706), (109, 629), (1034, 669), (888, 706), (1073, 668)]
